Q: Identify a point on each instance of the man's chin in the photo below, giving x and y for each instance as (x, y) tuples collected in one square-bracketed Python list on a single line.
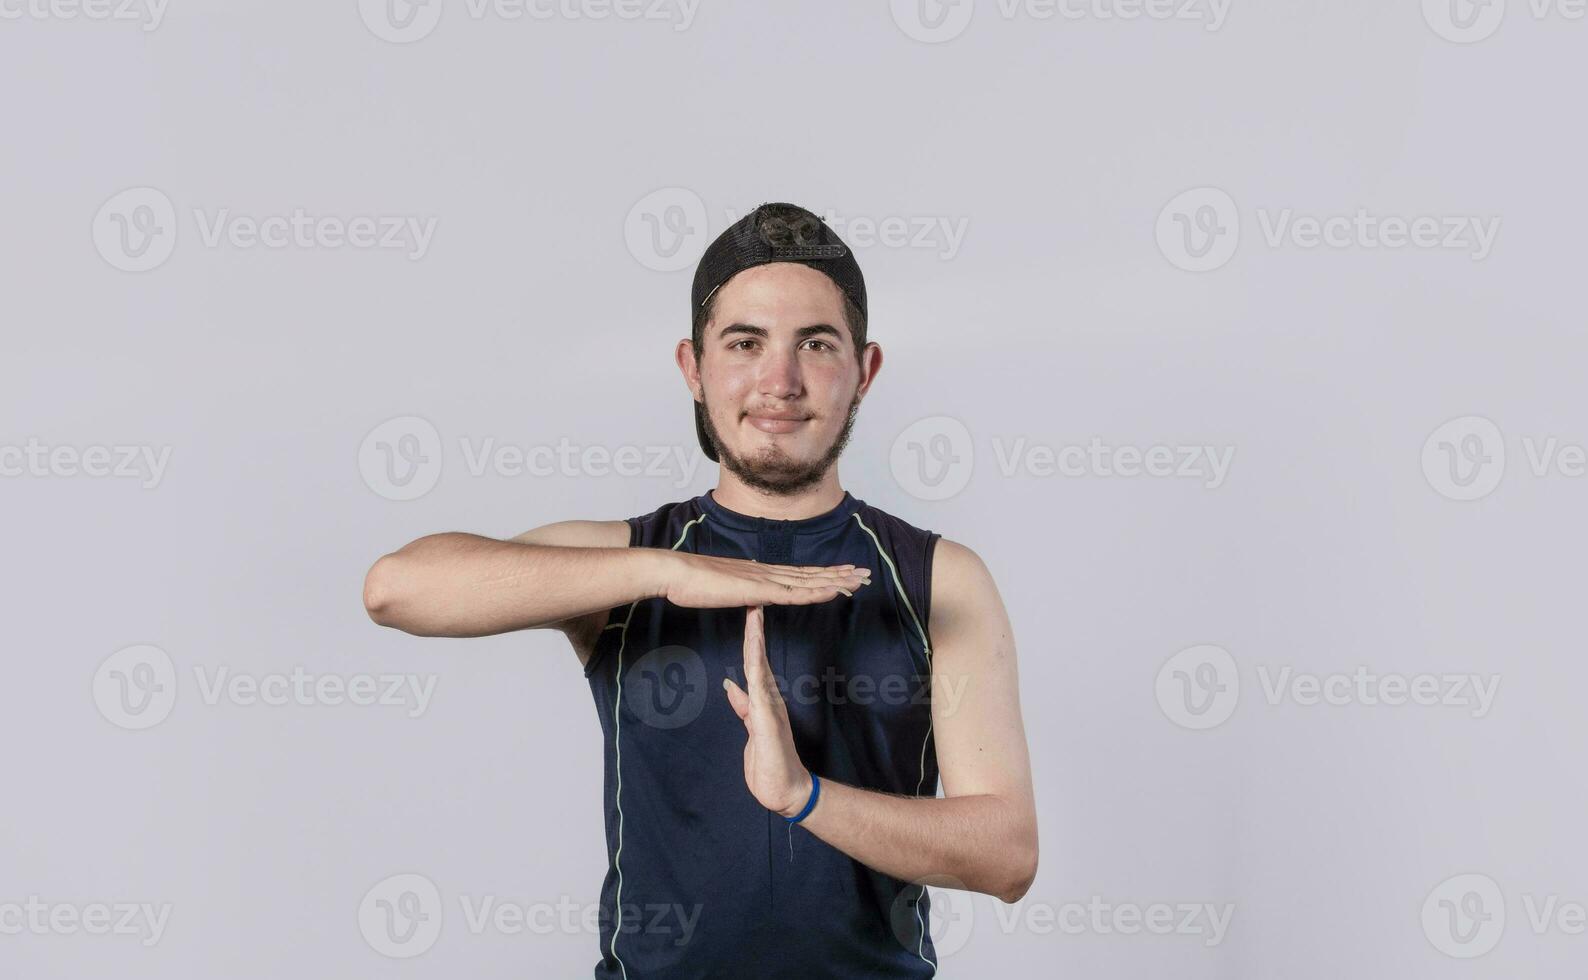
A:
[(770, 468)]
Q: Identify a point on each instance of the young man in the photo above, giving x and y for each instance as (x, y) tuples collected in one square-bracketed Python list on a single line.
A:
[(773, 652)]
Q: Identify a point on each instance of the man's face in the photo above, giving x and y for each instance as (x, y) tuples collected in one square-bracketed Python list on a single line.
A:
[(778, 376)]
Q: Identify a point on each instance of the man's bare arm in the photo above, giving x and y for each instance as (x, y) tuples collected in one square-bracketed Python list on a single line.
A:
[(459, 584), (983, 832)]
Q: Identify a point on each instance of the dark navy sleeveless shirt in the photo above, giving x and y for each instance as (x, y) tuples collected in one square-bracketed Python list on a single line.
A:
[(702, 881)]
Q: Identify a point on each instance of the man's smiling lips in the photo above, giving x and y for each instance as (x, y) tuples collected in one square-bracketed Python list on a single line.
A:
[(777, 422)]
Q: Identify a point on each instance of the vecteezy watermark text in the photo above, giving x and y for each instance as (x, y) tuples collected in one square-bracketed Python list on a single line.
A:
[(402, 459), (667, 229), (1199, 688), (136, 230), (1199, 230), (36, 459), (136, 688), (37, 917), (933, 459), (149, 13), (402, 916)]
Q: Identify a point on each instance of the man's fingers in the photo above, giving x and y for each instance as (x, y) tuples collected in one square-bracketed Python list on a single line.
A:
[(849, 581), (737, 699), (821, 570), (757, 673), (754, 646), (800, 595), (817, 571)]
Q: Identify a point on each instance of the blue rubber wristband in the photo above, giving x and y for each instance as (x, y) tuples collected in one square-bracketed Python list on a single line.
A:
[(810, 804)]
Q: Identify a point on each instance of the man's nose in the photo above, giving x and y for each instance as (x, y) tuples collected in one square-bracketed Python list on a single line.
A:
[(780, 375)]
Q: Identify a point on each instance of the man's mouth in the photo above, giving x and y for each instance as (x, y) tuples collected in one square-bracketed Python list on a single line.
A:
[(777, 423)]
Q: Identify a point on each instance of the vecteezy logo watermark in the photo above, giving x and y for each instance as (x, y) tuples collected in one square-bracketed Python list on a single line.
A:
[(400, 459), (1199, 230), (666, 229), (136, 688), (406, 21), (143, 920), (933, 459), (1465, 458), (149, 13), (136, 230), (938, 908), (666, 688), (936, 21), (143, 463), (400, 21), (1464, 916), (400, 916), (932, 21), (1199, 687), (1467, 21)]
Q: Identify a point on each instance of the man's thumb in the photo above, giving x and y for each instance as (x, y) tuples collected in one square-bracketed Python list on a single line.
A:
[(737, 699)]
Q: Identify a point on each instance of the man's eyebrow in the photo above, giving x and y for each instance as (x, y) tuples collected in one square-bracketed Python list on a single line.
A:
[(813, 330)]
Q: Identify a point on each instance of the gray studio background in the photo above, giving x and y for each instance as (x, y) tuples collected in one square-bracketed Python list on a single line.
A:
[(1100, 230)]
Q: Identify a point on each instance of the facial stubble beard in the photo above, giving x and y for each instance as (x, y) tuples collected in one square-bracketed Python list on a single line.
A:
[(774, 472)]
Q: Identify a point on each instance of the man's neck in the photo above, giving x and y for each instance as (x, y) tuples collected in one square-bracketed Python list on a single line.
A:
[(735, 495)]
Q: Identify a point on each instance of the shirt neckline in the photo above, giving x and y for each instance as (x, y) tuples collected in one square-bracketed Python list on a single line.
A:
[(746, 522)]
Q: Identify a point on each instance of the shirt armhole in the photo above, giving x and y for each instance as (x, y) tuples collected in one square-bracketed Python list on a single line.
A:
[(615, 615)]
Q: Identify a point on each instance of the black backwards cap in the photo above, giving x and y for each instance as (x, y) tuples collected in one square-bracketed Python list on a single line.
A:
[(773, 233)]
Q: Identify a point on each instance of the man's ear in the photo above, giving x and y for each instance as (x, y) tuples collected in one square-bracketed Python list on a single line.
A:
[(684, 354), (870, 364)]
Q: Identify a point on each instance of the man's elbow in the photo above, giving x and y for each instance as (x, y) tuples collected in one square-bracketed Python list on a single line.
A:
[(380, 591), (1022, 869), (1021, 877)]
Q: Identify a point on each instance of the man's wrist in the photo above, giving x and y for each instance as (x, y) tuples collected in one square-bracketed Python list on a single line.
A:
[(658, 565), (802, 796)]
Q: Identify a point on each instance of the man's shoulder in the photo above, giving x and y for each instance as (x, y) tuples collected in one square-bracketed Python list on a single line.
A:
[(962, 583), (957, 564)]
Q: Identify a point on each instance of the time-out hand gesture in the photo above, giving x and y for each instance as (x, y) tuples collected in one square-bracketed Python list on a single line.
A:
[(772, 768)]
